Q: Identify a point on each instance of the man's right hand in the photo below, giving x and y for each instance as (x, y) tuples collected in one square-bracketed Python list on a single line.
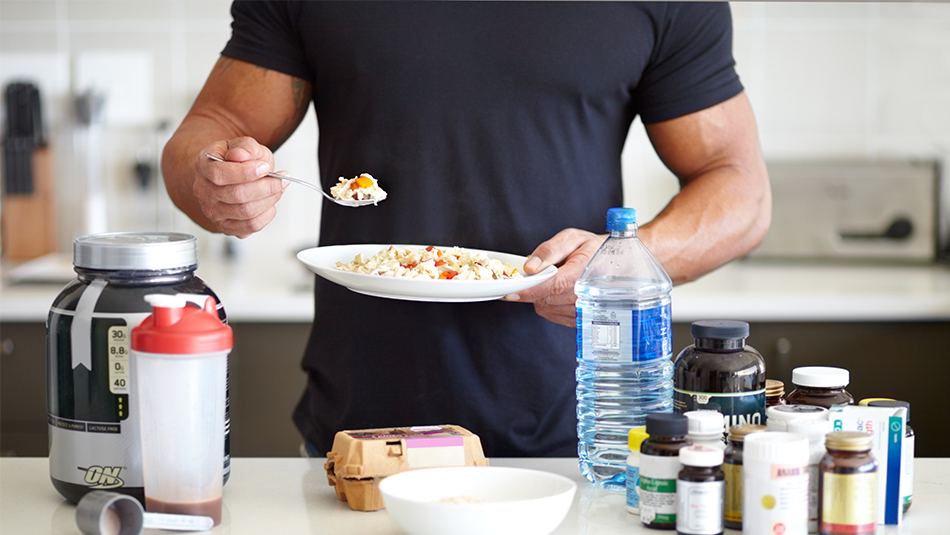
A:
[(236, 195)]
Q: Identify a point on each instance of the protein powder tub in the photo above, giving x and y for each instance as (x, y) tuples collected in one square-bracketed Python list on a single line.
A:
[(821, 386), (719, 372), (93, 430), (775, 484), (659, 468), (780, 415), (700, 491)]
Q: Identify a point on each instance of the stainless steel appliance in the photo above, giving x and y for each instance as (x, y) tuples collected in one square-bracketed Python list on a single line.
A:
[(870, 210)]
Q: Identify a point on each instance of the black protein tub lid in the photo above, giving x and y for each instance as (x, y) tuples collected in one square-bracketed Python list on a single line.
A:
[(720, 329), (136, 251)]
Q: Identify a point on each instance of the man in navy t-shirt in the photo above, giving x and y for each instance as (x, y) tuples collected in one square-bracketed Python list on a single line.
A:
[(492, 125)]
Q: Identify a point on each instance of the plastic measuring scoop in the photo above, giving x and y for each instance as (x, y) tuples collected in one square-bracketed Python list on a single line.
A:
[(110, 513)]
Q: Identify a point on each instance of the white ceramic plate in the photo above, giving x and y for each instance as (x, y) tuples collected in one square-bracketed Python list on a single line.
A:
[(477, 500), (322, 261)]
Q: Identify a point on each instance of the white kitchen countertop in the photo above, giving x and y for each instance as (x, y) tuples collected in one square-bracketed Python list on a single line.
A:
[(291, 496), (280, 290)]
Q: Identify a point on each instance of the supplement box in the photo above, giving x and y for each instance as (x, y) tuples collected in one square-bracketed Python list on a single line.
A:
[(360, 459), (886, 425)]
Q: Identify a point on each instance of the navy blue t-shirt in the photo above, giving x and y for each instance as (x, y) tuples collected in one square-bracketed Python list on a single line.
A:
[(492, 125)]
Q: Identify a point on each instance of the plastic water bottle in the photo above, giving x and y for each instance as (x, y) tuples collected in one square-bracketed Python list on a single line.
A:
[(624, 349)]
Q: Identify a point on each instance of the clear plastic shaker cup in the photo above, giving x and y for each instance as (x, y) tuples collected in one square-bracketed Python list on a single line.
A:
[(179, 356)]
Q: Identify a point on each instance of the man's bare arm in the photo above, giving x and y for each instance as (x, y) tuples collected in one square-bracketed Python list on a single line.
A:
[(722, 211), (724, 207), (243, 113)]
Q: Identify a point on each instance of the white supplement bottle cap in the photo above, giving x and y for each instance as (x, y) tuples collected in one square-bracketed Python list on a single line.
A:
[(821, 377), (705, 422), (699, 455), (777, 447)]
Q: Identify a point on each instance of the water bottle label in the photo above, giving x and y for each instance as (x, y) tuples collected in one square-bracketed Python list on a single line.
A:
[(617, 334), (738, 407)]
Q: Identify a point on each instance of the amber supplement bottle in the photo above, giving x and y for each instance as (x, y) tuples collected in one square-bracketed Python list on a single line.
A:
[(848, 485), (732, 469), (719, 372), (774, 393), (907, 478), (700, 491), (659, 468), (820, 385)]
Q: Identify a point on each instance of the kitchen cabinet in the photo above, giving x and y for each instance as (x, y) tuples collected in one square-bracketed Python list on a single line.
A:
[(266, 382), (904, 360)]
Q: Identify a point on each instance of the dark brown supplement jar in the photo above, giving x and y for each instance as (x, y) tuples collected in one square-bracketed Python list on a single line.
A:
[(907, 449), (700, 491), (822, 386), (848, 485), (719, 372), (732, 468), (774, 393), (659, 468)]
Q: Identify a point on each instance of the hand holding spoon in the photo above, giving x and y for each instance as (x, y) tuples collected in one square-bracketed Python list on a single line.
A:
[(344, 202)]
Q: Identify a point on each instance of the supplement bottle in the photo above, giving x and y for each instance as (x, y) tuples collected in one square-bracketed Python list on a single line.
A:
[(907, 477), (93, 435), (624, 345), (635, 438), (700, 491), (775, 484), (705, 428), (821, 386), (774, 393), (780, 415), (659, 468), (719, 372), (815, 431), (732, 468), (848, 488)]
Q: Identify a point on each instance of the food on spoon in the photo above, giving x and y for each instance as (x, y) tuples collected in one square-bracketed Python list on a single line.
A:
[(431, 263), (360, 188)]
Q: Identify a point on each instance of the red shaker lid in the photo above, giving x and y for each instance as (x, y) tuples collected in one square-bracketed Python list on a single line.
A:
[(174, 327)]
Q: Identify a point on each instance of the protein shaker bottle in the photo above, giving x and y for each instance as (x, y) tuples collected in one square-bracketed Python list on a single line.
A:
[(179, 356)]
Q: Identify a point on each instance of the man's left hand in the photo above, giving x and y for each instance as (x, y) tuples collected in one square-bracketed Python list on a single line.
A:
[(570, 250)]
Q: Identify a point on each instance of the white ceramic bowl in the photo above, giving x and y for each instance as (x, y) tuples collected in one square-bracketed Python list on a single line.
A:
[(477, 500)]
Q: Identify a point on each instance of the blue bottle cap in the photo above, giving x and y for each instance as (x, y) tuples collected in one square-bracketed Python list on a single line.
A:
[(619, 218)]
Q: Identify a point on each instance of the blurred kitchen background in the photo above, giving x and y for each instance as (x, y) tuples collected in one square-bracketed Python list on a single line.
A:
[(853, 108)]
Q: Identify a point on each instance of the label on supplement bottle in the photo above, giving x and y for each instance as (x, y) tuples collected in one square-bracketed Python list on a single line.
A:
[(633, 487), (733, 505), (738, 408), (848, 503), (658, 488), (699, 509), (622, 335)]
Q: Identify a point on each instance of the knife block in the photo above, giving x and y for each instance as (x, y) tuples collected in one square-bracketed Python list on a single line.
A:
[(29, 221)]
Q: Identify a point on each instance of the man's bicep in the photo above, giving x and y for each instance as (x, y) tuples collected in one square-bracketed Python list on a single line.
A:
[(248, 100), (723, 135)]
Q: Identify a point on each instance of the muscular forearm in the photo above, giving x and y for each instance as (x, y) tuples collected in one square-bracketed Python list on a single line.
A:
[(713, 220), (178, 163)]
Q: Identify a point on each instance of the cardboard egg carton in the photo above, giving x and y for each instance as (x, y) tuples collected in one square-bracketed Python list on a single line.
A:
[(360, 459)]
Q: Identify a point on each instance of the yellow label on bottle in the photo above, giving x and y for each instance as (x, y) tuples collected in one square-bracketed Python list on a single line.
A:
[(733, 509), (848, 502)]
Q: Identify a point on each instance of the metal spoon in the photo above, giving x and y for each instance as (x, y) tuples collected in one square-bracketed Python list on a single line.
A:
[(344, 202)]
